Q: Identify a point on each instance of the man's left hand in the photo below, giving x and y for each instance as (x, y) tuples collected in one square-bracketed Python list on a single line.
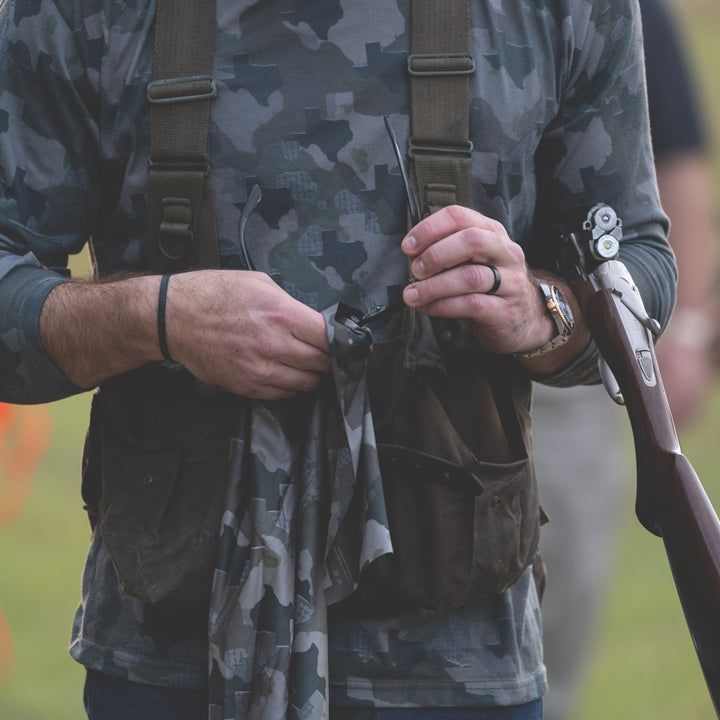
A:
[(450, 252)]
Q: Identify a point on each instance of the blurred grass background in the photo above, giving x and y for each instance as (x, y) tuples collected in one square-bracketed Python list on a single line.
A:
[(644, 667)]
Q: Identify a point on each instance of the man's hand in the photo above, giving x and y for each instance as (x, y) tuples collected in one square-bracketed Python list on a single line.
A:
[(449, 253), (240, 331), (233, 329)]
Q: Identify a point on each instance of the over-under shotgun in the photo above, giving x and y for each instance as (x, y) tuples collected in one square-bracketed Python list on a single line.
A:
[(671, 501)]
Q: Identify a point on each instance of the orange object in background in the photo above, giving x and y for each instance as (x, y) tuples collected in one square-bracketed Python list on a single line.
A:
[(24, 439), (7, 650)]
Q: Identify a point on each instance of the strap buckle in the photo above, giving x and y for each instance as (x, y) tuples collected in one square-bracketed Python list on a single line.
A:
[(433, 64), (415, 148), (183, 89), (180, 165)]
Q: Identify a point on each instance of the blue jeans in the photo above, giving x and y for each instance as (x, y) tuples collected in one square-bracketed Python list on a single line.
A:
[(528, 711), (110, 698)]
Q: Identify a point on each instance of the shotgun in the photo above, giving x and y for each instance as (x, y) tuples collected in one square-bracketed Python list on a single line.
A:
[(671, 501)]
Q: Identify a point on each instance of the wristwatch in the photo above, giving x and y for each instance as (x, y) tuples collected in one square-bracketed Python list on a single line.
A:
[(561, 315)]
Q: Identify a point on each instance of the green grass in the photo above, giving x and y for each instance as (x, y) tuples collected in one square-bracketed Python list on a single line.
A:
[(644, 667), (41, 558)]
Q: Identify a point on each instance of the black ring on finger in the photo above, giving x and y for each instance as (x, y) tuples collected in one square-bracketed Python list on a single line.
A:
[(496, 279)]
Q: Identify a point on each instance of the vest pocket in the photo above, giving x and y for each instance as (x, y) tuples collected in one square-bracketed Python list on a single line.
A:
[(460, 489), (156, 470)]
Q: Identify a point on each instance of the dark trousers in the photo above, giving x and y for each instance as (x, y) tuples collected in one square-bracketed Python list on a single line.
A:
[(528, 711), (111, 698)]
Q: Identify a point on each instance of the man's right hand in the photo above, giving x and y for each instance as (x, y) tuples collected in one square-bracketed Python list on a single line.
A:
[(239, 331), (233, 329)]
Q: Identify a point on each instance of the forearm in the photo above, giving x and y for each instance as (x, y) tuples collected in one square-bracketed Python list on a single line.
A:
[(235, 330), (94, 331)]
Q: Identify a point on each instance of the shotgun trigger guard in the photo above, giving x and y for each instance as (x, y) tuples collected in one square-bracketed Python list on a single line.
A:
[(639, 327)]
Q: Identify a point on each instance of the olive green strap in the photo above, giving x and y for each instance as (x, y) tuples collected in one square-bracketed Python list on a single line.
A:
[(440, 66), (181, 221)]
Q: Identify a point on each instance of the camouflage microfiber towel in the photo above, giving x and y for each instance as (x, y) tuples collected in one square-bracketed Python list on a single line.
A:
[(305, 514)]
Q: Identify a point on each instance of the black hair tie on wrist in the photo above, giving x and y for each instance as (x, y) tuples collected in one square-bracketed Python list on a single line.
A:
[(162, 303)]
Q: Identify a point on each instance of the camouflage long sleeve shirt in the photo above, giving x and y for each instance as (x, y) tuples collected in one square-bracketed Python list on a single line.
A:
[(558, 120)]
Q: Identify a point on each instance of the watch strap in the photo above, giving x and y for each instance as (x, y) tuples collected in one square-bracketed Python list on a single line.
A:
[(561, 316)]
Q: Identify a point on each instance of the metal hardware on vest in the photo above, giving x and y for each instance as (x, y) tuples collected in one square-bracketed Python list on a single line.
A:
[(200, 164), (415, 147), (186, 89), (175, 235), (435, 64)]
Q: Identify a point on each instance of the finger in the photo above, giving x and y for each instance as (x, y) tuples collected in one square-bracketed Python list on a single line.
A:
[(470, 245), (303, 356), (462, 280), (283, 382), (287, 350), (312, 331), (473, 306), (444, 223)]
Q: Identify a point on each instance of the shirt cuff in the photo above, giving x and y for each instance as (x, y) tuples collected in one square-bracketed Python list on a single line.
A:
[(37, 379), (581, 370)]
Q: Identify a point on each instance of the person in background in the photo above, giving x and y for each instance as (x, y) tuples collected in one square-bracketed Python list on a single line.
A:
[(687, 351), (585, 492)]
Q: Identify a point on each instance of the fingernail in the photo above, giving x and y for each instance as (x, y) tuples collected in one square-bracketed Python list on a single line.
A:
[(409, 244), (411, 296), (418, 269)]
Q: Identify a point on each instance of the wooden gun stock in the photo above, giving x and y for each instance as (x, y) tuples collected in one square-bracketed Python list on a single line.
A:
[(671, 501)]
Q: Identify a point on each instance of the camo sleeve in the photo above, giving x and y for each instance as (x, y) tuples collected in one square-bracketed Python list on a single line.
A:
[(598, 149), (49, 178)]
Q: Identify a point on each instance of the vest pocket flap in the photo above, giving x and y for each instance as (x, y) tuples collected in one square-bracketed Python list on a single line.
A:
[(428, 469), (507, 528), (138, 489), (457, 534), (439, 513), (158, 480), (161, 541)]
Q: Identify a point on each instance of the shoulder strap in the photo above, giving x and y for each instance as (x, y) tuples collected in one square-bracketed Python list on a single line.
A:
[(440, 65), (181, 222)]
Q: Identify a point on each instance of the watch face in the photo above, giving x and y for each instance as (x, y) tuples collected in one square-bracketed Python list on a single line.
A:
[(563, 308)]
